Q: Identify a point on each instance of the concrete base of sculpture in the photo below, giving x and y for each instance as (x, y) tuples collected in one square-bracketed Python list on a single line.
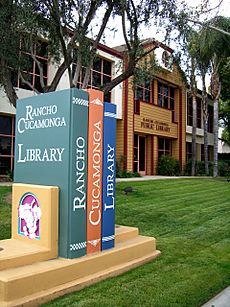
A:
[(35, 283)]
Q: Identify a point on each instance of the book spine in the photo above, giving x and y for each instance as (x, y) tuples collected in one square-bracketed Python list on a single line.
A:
[(78, 174), (95, 155), (109, 176)]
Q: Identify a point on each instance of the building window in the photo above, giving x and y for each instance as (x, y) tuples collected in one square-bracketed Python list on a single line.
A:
[(165, 96), (202, 152), (210, 153), (135, 153), (166, 58), (210, 119), (143, 92), (198, 118), (6, 144), (190, 112), (164, 147), (136, 106), (100, 74), (188, 151), (29, 67)]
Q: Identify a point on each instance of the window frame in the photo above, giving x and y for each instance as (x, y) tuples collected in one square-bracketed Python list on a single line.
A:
[(166, 93), (33, 73), (100, 72), (198, 113), (12, 142), (210, 118), (164, 151)]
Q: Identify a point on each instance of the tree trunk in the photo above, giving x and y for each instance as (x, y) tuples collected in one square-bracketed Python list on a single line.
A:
[(194, 114), (215, 90), (215, 148), (5, 76), (205, 123)]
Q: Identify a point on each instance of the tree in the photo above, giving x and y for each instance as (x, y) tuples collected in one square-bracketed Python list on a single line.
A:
[(215, 46), (224, 108), (66, 25), (203, 67), (9, 39), (193, 91)]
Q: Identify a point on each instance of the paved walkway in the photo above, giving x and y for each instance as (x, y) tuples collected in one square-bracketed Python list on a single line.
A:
[(144, 178), (5, 184), (220, 300)]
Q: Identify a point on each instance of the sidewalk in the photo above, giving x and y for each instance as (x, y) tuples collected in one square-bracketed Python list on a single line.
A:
[(5, 184), (220, 300), (145, 178)]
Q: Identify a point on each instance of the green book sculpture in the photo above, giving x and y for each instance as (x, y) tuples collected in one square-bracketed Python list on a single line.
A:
[(51, 149)]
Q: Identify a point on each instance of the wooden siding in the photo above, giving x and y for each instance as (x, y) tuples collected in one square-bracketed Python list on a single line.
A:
[(150, 113)]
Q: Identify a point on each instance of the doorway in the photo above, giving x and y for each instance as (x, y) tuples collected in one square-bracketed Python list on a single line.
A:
[(139, 151)]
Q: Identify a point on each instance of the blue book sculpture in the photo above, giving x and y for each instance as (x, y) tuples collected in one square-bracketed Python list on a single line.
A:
[(109, 176)]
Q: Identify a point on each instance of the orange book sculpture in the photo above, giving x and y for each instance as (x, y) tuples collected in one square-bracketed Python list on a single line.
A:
[(95, 158)]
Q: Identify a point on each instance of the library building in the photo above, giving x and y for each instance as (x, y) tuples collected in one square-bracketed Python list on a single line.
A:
[(153, 118)]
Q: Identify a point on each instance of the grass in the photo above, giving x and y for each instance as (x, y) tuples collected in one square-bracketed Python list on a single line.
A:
[(190, 219), (5, 214)]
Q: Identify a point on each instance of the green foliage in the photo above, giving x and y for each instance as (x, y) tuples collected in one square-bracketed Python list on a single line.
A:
[(224, 115), (10, 175), (146, 70), (226, 135), (224, 157), (224, 72), (213, 43), (120, 166), (223, 168), (168, 166), (120, 172), (127, 174), (199, 168)]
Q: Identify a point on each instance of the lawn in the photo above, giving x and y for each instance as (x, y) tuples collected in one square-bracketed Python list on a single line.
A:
[(5, 213), (190, 219)]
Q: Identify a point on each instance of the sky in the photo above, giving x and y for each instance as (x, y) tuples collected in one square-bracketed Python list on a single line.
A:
[(115, 39)]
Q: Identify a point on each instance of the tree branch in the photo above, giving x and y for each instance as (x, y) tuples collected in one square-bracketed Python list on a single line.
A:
[(61, 69), (209, 26), (157, 45), (54, 11), (213, 8), (41, 73), (28, 83), (124, 31), (96, 42), (78, 70), (114, 82)]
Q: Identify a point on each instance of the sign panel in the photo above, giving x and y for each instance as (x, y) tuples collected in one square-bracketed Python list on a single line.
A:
[(50, 149), (109, 176)]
